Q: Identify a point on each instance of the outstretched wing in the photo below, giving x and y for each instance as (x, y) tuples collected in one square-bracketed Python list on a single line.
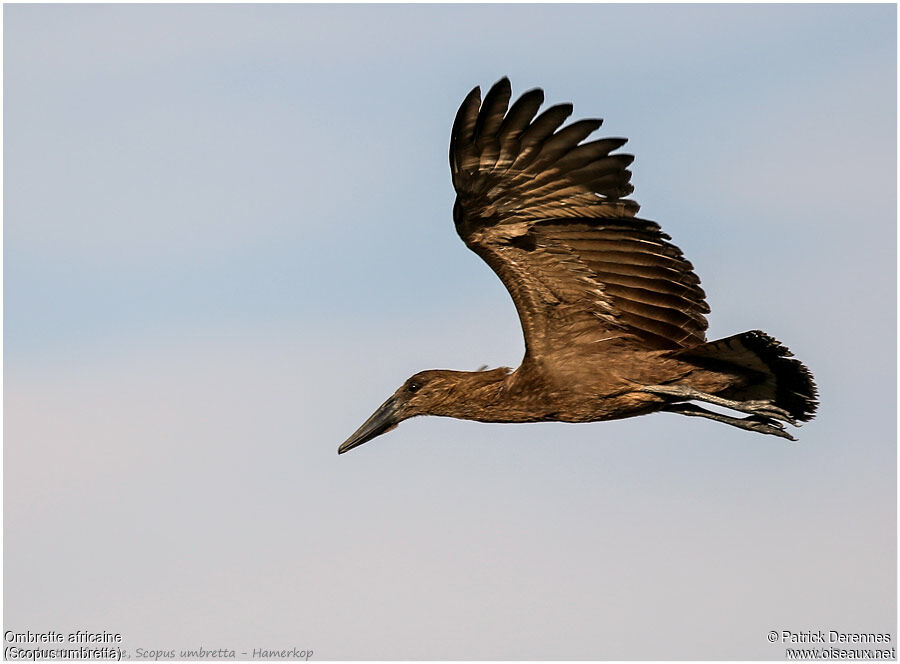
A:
[(547, 212)]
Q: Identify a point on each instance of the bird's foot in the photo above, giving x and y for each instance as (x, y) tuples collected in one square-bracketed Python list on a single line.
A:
[(758, 423), (762, 408)]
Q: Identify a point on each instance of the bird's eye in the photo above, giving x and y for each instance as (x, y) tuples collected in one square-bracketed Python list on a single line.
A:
[(413, 386)]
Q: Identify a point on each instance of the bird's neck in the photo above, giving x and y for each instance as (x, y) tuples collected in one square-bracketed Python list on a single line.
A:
[(485, 396)]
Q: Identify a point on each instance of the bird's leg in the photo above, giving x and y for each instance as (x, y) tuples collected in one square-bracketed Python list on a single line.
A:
[(762, 408), (756, 423)]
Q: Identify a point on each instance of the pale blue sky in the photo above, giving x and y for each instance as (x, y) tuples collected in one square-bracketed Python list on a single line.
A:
[(228, 238)]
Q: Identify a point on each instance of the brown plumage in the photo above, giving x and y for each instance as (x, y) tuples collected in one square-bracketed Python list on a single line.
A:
[(613, 314)]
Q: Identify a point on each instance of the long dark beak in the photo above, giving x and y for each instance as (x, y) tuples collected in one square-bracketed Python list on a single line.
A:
[(383, 420)]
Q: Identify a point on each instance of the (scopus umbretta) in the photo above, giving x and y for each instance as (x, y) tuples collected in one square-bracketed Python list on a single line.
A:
[(613, 314)]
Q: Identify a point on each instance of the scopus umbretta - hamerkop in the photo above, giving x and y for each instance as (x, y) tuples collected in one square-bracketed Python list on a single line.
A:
[(613, 314)]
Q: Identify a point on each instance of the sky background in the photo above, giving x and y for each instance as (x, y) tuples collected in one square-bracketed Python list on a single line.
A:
[(228, 239)]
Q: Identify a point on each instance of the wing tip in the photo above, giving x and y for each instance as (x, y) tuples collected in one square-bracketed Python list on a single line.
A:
[(504, 84), (474, 93)]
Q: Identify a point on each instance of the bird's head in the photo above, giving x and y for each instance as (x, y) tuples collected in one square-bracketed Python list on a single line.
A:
[(432, 392)]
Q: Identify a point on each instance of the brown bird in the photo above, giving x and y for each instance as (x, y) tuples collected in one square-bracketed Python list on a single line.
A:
[(613, 314)]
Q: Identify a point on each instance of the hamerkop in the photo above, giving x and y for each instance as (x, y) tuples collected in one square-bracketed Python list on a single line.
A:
[(613, 314)]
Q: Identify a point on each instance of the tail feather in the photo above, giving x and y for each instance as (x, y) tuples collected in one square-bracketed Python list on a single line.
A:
[(772, 372)]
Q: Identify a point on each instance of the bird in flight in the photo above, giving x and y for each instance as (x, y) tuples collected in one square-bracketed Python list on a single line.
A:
[(613, 314)]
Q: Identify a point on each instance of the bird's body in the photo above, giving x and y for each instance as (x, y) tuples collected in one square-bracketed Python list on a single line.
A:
[(536, 394), (613, 314)]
